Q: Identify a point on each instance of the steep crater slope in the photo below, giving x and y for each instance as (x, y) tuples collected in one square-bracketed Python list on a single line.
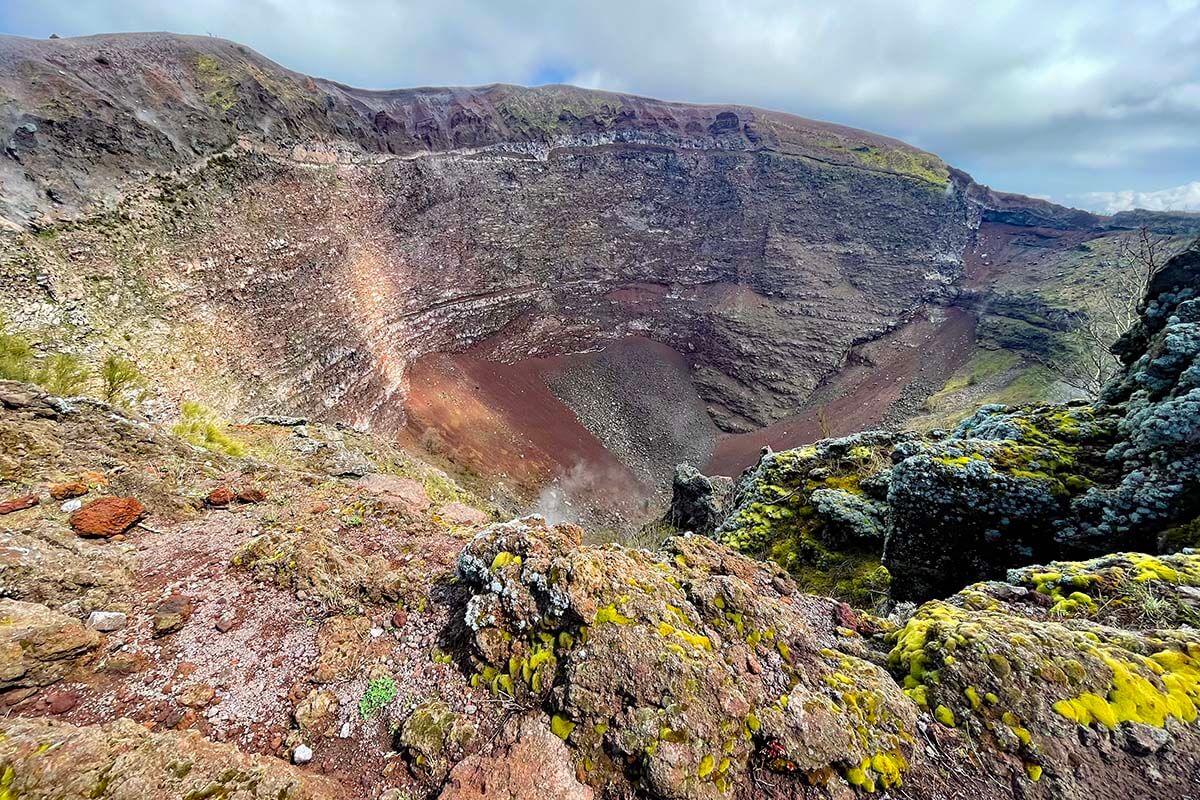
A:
[(265, 241), (895, 515)]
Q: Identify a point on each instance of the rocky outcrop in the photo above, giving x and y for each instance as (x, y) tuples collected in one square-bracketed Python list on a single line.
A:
[(820, 512), (1074, 701), (683, 670), (686, 671), (39, 646), (314, 563), (46, 563), (48, 760)]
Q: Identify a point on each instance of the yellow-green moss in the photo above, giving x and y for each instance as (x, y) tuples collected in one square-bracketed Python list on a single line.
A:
[(561, 726), (1146, 690), (203, 428), (216, 83), (609, 613)]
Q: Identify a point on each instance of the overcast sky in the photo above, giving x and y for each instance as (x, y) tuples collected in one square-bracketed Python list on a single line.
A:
[(1095, 104)]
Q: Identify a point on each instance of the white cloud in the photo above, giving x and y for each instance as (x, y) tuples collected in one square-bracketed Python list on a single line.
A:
[(1055, 98), (1177, 198)]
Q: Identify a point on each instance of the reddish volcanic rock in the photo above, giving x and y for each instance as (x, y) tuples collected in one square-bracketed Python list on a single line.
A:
[(396, 491), (533, 764), (18, 503), (251, 494), (60, 702), (220, 497), (462, 515), (107, 517), (65, 491)]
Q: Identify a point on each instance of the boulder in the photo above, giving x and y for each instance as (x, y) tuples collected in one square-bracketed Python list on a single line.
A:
[(393, 490), (171, 614), (107, 517), (531, 763), (251, 494), (196, 695), (39, 646), (695, 504), (220, 497), (434, 738), (106, 621), (460, 515), (340, 644), (316, 714), (65, 491)]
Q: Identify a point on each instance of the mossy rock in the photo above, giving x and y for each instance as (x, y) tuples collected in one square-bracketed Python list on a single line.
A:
[(1022, 682), (817, 511), (685, 668), (434, 738)]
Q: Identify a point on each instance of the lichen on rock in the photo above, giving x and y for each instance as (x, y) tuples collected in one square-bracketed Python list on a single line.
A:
[(683, 668), (818, 511), (1008, 664)]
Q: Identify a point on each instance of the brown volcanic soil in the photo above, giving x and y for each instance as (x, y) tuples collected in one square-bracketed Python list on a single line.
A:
[(522, 421), (503, 420), (1001, 248), (603, 429), (884, 376)]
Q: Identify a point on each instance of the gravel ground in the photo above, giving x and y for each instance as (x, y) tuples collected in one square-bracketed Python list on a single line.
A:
[(637, 398)]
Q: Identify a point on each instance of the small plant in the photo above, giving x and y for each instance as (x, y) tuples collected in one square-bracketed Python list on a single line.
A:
[(15, 354), (118, 375), (380, 692), (63, 374), (200, 426)]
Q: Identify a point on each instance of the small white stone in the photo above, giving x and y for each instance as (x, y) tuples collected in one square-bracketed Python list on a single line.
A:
[(106, 621), (376, 633), (302, 754), (344, 733), (71, 506)]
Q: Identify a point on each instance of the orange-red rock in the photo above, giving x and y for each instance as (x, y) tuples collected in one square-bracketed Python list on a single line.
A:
[(65, 491), (18, 503), (251, 494), (107, 517), (220, 497), (532, 764)]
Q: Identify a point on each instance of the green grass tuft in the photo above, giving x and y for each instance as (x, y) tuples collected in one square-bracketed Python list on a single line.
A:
[(198, 425), (63, 374)]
